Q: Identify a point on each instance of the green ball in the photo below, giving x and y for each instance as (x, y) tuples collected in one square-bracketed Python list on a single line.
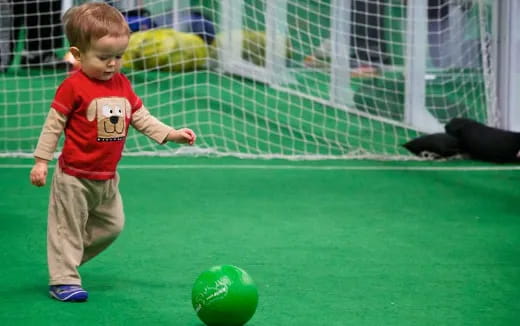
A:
[(224, 295)]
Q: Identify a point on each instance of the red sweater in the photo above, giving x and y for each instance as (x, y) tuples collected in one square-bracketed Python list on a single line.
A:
[(98, 116)]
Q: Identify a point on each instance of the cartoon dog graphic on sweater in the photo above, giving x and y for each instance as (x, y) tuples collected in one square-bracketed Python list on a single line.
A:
[(110, 113)]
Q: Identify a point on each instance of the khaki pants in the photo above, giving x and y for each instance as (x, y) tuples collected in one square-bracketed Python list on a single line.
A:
[(85, 217)]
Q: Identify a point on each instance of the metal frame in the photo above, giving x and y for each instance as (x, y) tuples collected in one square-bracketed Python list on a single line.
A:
[(275, 71), (508, 65), (416, 113), (340, 32)]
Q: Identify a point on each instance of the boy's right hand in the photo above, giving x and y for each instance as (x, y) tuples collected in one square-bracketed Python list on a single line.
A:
[(39, 172)]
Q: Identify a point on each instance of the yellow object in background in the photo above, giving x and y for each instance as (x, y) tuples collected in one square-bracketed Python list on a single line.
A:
[(253, 46), (165, 49)]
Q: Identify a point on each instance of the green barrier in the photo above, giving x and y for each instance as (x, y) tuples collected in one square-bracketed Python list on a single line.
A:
[(449, 93)]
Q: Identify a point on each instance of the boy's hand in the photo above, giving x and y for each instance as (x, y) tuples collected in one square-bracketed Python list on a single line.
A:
[(39, 172), (182, 136)]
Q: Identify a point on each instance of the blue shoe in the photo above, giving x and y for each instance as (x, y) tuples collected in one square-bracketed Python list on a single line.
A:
[(68, 293)]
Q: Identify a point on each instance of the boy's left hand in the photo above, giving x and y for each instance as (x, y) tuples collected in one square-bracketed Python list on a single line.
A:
[(39, 172), (182, 136)]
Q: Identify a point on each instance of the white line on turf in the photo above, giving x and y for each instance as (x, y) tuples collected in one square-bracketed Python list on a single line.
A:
[(297, 167)]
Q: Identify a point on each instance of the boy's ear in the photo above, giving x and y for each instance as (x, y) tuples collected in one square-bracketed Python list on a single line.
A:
[(75, 53)]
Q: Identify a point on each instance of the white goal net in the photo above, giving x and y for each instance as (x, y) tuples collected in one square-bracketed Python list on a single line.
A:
[(294, 79)]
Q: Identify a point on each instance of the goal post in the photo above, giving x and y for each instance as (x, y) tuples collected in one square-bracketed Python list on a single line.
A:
[(291, 79), (508, 67), (415, 113)]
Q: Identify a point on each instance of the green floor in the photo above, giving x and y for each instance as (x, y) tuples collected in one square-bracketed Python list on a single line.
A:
[(328, 243)]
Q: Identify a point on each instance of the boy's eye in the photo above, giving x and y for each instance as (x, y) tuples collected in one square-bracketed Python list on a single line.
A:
[(117, 57)]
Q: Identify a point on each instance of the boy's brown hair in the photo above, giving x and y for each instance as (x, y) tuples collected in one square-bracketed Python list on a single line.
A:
[(93, 20)]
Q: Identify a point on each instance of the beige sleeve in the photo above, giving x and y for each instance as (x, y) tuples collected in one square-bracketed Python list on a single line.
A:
[(144, 122), (51, 132)]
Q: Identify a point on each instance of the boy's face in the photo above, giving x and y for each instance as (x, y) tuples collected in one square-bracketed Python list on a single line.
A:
[(103, 58)]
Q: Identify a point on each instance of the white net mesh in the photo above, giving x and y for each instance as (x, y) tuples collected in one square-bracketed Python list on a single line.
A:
[(291, 79)]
